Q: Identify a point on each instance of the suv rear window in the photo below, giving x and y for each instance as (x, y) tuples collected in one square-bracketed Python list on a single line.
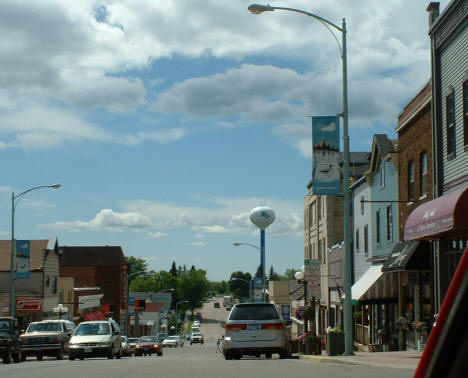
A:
[(254, 312)]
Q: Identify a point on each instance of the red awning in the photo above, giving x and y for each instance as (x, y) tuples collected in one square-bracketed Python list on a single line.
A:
[(444, 215), (98, 315)]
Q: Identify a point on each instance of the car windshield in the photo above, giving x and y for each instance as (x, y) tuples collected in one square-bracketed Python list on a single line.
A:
[(92, 329), (133, 340), (254, 312), (148, 339), (4, 326), (44, 327), (172, 338)]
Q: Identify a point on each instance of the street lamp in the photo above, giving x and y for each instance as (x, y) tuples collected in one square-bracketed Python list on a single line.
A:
[(248, 283), (13, 247), (176, 314), (257, 9), (126, 299), (251, 245), (60, 309)]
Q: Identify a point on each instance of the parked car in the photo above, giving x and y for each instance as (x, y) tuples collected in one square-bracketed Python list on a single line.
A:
[(45, 338), (132, 342), (96, 338), (195, 329), (256, 328), (10, 345), (216, 305), (173, 341), (147, 345), (196, 338)]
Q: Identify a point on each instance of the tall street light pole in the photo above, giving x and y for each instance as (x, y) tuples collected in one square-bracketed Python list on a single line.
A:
[(348, 327), (14, 203), (127, 296)]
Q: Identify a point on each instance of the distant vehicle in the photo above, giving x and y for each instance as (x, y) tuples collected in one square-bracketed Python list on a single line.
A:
[(216, 305), (148, 345), (256, 328), (132, 342), (196, 338), (10, 346), (125, 346), (173, 341), (227, 300), (195, 329), (45, 338), (162, 336), (96, 338)]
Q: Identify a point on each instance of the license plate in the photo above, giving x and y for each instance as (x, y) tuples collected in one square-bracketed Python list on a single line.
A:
[(88, 350), (253, 327)]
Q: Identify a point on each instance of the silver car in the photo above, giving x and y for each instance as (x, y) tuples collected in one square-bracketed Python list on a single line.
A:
[(256, 328)]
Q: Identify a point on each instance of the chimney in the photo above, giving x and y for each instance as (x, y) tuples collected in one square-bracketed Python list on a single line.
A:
[(433, 9)]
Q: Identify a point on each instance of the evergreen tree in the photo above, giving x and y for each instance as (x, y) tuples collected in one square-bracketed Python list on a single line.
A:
[(173, 270)]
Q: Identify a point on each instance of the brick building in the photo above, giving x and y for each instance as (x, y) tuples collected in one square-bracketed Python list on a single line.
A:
[(102, 267)]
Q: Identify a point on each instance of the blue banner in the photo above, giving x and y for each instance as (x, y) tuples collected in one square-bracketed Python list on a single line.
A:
[(326, 155), (23, 251)]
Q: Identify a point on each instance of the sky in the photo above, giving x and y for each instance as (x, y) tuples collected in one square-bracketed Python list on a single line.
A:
[(167, 121)]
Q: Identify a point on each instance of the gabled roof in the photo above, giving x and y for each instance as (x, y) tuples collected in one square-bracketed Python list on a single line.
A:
[(37, 253), (381, 147)]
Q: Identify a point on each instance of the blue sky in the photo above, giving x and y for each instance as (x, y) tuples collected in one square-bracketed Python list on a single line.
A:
[(166, 122)]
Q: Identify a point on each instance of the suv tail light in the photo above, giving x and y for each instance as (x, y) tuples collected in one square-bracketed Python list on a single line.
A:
[(236, 327), (272, 326)]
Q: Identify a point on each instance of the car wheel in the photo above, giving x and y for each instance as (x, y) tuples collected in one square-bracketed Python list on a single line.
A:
[(71, 356), (60, 353), (23, 357), (119, 354), (160, 354), (81, 357), (110, 354), (39, 357), (191, 343), (18, 356), (7, 356), (268, 355), (227, 355)]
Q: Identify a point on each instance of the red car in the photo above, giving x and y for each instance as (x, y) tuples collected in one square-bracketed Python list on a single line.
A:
[(147, 345)]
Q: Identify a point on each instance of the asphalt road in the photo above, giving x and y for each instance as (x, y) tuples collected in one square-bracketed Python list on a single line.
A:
[(192, 361)]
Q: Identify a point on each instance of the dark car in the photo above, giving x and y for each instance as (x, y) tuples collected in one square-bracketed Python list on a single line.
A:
[(10, 346), (216, 305), (147, 345)]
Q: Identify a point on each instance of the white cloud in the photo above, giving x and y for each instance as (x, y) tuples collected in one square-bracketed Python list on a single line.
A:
[(106, 220), (197, 244), (157, 234)]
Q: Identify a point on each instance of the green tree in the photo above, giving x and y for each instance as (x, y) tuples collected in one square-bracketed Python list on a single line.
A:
[(289, 274), (135, 264), (173, 269), (273, 276), (240, 288), (193, 288)]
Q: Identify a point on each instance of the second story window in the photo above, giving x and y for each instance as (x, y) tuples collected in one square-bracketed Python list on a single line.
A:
[(366, 240), (362, 205), (411, 180), (54, 285), (389, 223), (450, 123), (357, 240), (423, 174), (377, 226), (465, 110), (312, 214)]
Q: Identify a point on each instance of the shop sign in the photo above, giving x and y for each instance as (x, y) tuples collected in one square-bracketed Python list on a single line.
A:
[(29, 304)]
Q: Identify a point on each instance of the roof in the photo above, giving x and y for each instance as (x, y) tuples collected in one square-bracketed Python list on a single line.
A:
[(93, 255), (37, 253), (382, 146)]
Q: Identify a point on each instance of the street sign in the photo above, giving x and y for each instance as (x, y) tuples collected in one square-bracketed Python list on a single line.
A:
[(131, 301)]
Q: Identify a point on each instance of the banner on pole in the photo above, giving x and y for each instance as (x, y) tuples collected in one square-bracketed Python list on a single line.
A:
[(326, 155), (23, 251)]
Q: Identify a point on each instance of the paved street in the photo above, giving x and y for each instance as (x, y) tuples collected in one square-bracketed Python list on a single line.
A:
[(193, 361)]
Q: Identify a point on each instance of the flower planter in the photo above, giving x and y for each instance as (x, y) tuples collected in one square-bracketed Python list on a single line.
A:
[(312, 346), (335, 343)]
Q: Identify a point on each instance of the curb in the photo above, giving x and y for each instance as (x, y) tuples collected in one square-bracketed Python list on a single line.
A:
[(352, 361)]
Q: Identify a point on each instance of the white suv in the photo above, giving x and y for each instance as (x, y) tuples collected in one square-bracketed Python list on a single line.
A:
[(96, 338), (256, 328)]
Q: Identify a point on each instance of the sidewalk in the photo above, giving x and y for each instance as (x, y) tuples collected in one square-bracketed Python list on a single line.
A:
[(400, 360)]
